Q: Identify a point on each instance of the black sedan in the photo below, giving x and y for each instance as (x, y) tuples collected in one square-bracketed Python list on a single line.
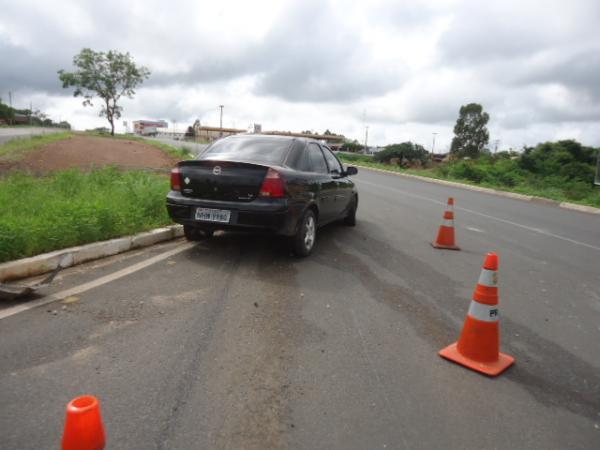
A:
[(287, 185)]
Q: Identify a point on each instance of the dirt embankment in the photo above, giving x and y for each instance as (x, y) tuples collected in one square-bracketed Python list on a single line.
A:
[(87, 152)]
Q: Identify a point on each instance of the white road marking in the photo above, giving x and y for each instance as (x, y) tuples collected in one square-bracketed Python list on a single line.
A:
[(487, 216), (476, 230), (535, 230), (95, 283)]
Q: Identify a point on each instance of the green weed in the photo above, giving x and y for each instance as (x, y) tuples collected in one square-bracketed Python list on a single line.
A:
[(71, 208)]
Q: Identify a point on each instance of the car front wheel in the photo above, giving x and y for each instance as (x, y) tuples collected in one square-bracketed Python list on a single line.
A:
[(306, 235)]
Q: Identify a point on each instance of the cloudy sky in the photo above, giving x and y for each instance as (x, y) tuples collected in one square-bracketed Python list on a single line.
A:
[(403, 68)]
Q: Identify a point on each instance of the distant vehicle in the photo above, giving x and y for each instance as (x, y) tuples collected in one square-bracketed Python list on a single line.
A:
[(290, 186)]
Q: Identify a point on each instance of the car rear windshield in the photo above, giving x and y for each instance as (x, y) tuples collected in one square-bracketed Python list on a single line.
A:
[(257, 150)]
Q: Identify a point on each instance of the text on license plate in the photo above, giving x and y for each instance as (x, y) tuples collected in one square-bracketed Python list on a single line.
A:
[(213, 215)]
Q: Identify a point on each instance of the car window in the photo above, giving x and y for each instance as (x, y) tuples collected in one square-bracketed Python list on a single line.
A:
[(317, 161), (298, 157), (332, 162), (266, 150)]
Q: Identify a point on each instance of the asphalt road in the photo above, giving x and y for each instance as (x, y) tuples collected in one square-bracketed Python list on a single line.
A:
[(7, 134), (234, 343)]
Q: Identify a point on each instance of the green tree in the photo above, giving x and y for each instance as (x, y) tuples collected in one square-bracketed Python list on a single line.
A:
[(470, 132), (352, 146), (407, 151), (7, 113), (109, 76)]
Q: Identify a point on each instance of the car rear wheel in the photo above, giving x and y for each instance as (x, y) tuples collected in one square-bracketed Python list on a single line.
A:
[(196, 234), (350, 218), (304, 240)]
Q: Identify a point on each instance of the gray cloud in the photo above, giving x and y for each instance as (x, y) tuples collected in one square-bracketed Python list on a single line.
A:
[(578, 69), (308, 56), (481, 32), (26, 69), (312, 56)]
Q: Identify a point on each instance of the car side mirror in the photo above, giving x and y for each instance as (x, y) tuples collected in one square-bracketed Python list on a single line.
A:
[(351, 170)]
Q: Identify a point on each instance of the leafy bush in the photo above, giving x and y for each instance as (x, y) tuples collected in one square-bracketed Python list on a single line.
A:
[(467, 170), (568, 159)]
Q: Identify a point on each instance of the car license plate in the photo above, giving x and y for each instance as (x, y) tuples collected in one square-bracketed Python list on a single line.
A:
[(213, 215)]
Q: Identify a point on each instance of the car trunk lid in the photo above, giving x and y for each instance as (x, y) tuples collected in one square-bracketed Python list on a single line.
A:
[(221, 180)]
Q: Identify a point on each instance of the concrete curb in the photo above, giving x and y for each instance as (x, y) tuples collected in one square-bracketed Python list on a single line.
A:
[(530, 198), (37, 265)]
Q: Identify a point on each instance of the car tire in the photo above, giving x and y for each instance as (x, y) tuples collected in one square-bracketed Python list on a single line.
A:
[(303, 241), (196, 234), (350, 218)]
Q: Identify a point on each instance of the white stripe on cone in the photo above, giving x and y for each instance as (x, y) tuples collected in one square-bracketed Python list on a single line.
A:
[(488, 278), (485, 313)]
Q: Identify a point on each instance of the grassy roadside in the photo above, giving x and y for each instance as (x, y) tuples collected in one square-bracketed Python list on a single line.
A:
[(16, 148), (73, 208), (178, 153), (175, 152), (531, 186)]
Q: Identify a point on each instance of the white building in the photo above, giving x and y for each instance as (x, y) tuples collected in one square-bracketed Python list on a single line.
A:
[(148, 127)]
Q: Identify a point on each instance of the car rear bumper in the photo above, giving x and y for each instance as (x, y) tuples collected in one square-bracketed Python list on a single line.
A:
[(262, 214)]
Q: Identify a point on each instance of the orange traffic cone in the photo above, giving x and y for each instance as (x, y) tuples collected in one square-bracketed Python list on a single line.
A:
[(478, 347), (83, 426), (445, 237)]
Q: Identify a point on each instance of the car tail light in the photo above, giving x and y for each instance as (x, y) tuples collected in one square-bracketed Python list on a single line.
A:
[(176, 179), (273, 185)]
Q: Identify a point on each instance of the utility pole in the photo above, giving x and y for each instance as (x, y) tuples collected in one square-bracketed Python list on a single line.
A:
[(221, 122), (433, 145), (496, 144), (366, 137), (10, 103)]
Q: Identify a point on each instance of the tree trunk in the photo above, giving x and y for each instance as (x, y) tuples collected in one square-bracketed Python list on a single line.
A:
[(110, 116)]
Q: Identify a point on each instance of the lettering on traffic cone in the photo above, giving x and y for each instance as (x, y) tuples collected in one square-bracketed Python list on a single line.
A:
[(445, 237), (478, 347), (84, 429)]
